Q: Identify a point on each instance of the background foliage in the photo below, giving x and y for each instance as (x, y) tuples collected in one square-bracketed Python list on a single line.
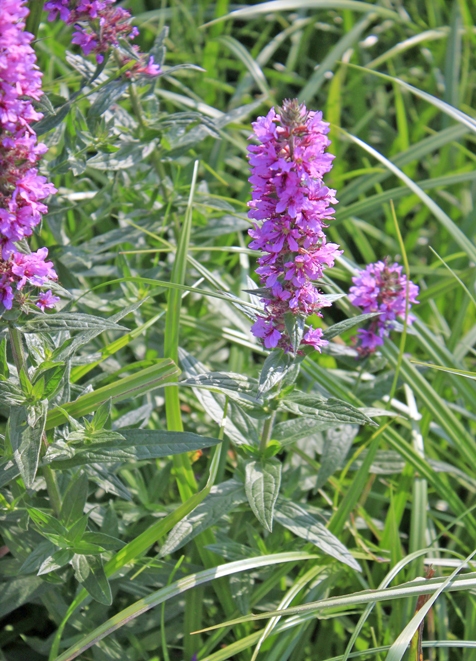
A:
[(152, 199)]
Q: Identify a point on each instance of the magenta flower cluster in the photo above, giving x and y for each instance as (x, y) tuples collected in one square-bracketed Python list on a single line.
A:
[(22, 189), (381, 287), (292, 206), (98, 25)]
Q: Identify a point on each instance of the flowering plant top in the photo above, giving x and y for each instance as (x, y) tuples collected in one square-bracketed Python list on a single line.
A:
[(291, 207), (381, 287), (100, 25)]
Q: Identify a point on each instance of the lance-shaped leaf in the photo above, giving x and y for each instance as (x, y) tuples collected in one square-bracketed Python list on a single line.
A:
[(336, 446), (68, 321), (277, 366), (106, 96), (137, 445), (342, 326), (11, 394), (295, 329), (89, 571), (130, 386), (301, 403), (263, 479), (301, 523), (237, 387), (290, 431), (26, 425), (221, 500), (239, 427), (17, 591)]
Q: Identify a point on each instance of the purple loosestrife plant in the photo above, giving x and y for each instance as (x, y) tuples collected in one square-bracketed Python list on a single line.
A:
[(381, 287), (292, 206), (100, 25), (22, 189)]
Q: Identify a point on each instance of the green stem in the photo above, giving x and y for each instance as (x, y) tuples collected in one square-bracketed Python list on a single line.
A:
[(267, 431), (34, 17), (20, 363)]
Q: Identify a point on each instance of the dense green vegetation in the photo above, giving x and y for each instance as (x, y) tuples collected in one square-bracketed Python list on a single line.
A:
[(152, 204)]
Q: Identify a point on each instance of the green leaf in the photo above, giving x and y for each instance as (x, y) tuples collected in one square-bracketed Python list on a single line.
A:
[(8, 471), (107, 542), (74, 500), (241, 586), (55, 561), (81, 568), (295, 329), (52, 376), (127, 156), (26, 427), (290, 431), (101, 415), (137, 445), (77, 530), (342, 326), (53, 120), (89, 572), (276, 366), (221, 500), (262, 482), (106, 96), (301, 403), (237, 387), (336, 446), (293, 517), (45, 522), (40, 553), (70, 321), (11, 394), (17, 591), (239, 426)]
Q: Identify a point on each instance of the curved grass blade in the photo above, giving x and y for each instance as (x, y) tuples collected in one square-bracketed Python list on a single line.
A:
[(319, 76), (460, 238), (176, 588), (251, 65), (399, 647), (444, 107), (299, 5), (340, 604), (450, 370)]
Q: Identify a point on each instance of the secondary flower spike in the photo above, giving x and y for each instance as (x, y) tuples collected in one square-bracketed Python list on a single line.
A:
[(292, 207), (22, 189), (98, 26), (381, 287)]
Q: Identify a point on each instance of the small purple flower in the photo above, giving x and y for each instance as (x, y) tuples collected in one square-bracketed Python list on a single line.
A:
[(6, 294), (33, 268), (264, 329), (47, 300), (292, 208), (381, 287)]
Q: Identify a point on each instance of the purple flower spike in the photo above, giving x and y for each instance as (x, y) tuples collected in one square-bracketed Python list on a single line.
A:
[(100, 25), (381, 287), (292, 206), (22, 189)]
